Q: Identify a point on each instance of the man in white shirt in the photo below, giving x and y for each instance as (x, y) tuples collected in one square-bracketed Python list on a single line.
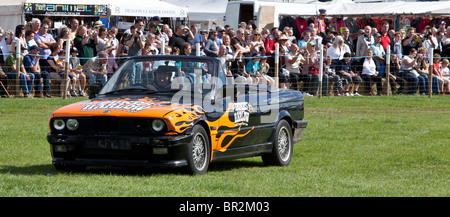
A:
[(294, 60), (4, 43), (430, 39), (139, 24)]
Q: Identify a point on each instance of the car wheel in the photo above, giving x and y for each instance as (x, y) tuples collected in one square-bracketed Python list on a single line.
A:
[(281, 154), (198, 154)]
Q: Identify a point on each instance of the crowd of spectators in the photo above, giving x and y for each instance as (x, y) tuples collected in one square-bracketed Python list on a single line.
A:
[(247, 53)]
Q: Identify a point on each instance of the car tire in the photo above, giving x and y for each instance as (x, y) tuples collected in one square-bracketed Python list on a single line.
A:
[(282, 148), (198, 153)]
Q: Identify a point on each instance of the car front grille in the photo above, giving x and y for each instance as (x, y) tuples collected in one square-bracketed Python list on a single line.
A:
[(106, 124)]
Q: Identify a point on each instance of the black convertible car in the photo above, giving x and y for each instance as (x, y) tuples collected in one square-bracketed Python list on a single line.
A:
[(176, 111)]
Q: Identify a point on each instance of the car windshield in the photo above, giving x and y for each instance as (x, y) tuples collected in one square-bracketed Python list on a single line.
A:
[(159, 75)]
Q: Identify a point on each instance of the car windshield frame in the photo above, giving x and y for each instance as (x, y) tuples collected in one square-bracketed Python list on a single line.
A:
[(184, 72)]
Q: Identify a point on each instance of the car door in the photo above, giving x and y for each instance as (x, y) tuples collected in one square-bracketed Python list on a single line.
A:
[(237, 121), (263, 110), (268, 111)]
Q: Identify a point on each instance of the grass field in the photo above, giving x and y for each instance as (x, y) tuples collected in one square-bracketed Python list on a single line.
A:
[(396, 146)]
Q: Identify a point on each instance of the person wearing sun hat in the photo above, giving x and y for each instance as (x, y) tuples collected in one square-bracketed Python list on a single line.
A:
[(310, 68), (319, 22), (284, 48), (242, 25), (98, 24)]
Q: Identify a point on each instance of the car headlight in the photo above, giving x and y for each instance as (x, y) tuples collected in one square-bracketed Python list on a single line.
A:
[(59, 124), (158, 125), (72, 124)]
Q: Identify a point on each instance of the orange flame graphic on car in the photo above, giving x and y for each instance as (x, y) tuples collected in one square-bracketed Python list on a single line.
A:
[(183, 117), (225, 121)]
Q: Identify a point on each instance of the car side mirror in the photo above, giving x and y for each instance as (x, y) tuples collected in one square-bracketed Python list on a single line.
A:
[(94, 89)]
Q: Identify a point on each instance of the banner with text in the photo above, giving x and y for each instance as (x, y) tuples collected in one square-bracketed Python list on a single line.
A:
[(121, 10), (65, 10)]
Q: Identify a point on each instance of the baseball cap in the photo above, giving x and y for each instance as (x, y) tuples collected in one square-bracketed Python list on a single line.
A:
[(256, 54), (34, 47), (311, 43), (157, 18), (74, 50)]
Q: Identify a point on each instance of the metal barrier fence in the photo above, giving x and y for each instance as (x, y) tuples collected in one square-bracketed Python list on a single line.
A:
[(320, 82)]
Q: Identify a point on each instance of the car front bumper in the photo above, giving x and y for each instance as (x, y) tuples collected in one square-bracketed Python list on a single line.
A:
[(121, 151)]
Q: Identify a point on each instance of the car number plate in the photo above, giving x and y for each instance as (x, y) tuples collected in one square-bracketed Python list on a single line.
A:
[(114, 144)]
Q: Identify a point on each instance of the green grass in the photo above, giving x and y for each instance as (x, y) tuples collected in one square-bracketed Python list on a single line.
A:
[(392, 146)]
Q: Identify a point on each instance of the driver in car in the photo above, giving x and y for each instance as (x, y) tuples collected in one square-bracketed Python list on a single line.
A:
[(161, 82)]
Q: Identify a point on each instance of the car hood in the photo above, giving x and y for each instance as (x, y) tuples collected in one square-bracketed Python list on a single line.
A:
[(152, 107)]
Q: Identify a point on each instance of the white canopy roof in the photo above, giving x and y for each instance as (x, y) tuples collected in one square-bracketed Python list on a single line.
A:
[(203, 10), (11, 13), (11, 7), (299, 9), (391, 8), (146, 8), (440, 8)]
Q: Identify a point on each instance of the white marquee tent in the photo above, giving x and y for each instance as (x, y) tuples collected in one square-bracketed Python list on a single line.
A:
[(12, 11), (203, 10), (440, 8)]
